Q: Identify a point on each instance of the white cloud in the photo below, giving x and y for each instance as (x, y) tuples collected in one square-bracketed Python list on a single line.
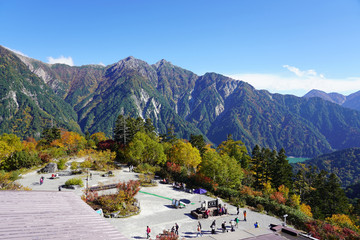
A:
[(300, 73), (303, 82), (16, 51), (64, 60)]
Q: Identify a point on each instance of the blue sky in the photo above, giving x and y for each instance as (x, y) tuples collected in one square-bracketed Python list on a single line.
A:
[(280, 45)]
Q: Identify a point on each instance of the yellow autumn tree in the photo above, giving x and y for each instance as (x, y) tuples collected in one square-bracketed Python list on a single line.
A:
[(342, 220), (306, 209), (97, 160), (285, 191), (9, 143), (98, 137), (183, 153), (295, 200), (268, 190)]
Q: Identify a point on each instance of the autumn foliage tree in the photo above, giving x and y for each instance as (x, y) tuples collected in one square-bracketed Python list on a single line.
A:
[(9, 144), (144, 149), (70, 141), (184, 154)]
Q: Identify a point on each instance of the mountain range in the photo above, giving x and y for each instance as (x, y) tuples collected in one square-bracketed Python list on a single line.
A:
[(351, 101), (35, 95)]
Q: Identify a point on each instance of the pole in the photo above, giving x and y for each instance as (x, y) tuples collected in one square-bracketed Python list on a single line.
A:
[(87, 185)]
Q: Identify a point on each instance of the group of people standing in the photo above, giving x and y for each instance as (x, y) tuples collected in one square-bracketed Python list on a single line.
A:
[(174, 229), (222, 209), (233, 223), (238, 211)]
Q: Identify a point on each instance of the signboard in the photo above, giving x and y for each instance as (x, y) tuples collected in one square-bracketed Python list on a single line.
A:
[(213, 203)]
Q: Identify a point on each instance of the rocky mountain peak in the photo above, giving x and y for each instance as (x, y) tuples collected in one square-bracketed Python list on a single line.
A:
[(162, 62), (137, 65), (130, 62)]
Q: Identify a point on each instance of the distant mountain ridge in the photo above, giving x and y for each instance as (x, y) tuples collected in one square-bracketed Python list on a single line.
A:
[(344, 163), (351, 101), (212, 105)]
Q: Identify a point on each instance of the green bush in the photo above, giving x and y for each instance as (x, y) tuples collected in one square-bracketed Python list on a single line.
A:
[(55, 152), (260, 207), (74, 165), (146, 168), (239, 202), (61, 164), (227, 193), (74, 181), (12, 176), (21, 159), (295, 216)]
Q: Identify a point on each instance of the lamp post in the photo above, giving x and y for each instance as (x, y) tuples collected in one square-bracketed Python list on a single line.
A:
[(285, 219), (87, 184)]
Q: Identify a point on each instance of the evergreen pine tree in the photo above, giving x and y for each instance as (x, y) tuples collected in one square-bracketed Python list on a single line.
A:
[(337, 201), (198, 142), (327, 197), (169, 136), (51, 134), (266, 165), (121, 130), (281, 171), (149, 128), (256, 166)]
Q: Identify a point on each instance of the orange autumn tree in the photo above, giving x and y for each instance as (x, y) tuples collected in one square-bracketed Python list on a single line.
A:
[(70, 141), (29, 144)]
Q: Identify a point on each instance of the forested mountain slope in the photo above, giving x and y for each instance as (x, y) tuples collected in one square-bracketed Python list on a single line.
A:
[(344, 163), (27, 104), (212, 105)]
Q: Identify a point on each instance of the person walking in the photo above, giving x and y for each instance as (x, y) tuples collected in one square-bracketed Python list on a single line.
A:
[(223, 226), (256, 225), (245, 215), (148, 231), (198, 229), (237, 222), (212, 226), (41, 180), (238, 210), (176, 229)]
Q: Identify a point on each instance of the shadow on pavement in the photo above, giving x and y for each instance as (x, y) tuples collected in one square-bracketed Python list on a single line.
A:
[(187, 201), (189, 235), (189, 215), (138, 237)]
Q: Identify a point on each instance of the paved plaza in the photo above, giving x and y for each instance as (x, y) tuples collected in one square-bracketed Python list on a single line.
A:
[(157, 211)]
